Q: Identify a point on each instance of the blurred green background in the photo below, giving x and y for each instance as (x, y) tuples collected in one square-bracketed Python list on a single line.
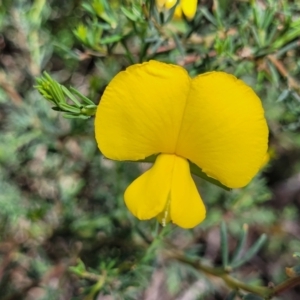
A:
[(65, 232)]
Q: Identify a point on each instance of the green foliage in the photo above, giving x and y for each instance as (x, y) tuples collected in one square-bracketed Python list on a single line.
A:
[(65, 231), (56, 94)]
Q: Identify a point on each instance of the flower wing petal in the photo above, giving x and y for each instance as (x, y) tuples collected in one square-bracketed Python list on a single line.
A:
[(223, 129), (186, 207), (141, 110), (147, 196)]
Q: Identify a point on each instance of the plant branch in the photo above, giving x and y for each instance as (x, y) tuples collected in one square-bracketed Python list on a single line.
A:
[(221, 273), (265, 292), (285, 285)]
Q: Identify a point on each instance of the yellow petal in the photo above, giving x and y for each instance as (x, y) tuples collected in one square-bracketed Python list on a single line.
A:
[(167, 191), (147, 196), (141, 110), (189, 8), (265, 160), (223, 129), (186, 207), (177, 13)]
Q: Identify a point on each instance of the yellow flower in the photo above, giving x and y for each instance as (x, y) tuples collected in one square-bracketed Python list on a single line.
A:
[(213, 120), (187, 7)]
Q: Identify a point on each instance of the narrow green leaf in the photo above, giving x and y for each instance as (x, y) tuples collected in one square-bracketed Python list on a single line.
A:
[(208, 16), (143, 51), (48, 77), (129, 14), (271, 35), (154, 13), (70, 116), (256, 14), (256, 36), (170, 13), (241, 244), (56, 108), (82, 97), (91, 39), (155, 47), (268, 18), (111, 39), (69, 108), (286, 38), (54, 89), (284, 95), (70, 96), (251, 252), (288, 47), (274, 74), (219, 16), (67, 52), (88, 8), (224, 244), (178, 43)]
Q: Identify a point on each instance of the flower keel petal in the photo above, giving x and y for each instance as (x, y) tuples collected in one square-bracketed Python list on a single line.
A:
[(186, 207)]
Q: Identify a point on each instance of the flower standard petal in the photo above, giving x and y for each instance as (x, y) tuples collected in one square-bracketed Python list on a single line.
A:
[(223, 129), (186, 207), (140, 111), (147, 196)]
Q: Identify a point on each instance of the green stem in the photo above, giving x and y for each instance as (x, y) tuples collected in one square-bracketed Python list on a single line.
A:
[(285, 285), (97, 287), (265, 292), (92, 276), (237, 284)]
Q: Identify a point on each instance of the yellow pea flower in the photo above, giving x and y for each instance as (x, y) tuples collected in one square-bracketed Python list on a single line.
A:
[(187, 7), (213, 120)]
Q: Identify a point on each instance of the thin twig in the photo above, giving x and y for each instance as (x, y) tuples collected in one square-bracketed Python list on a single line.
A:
[(265, 292)]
